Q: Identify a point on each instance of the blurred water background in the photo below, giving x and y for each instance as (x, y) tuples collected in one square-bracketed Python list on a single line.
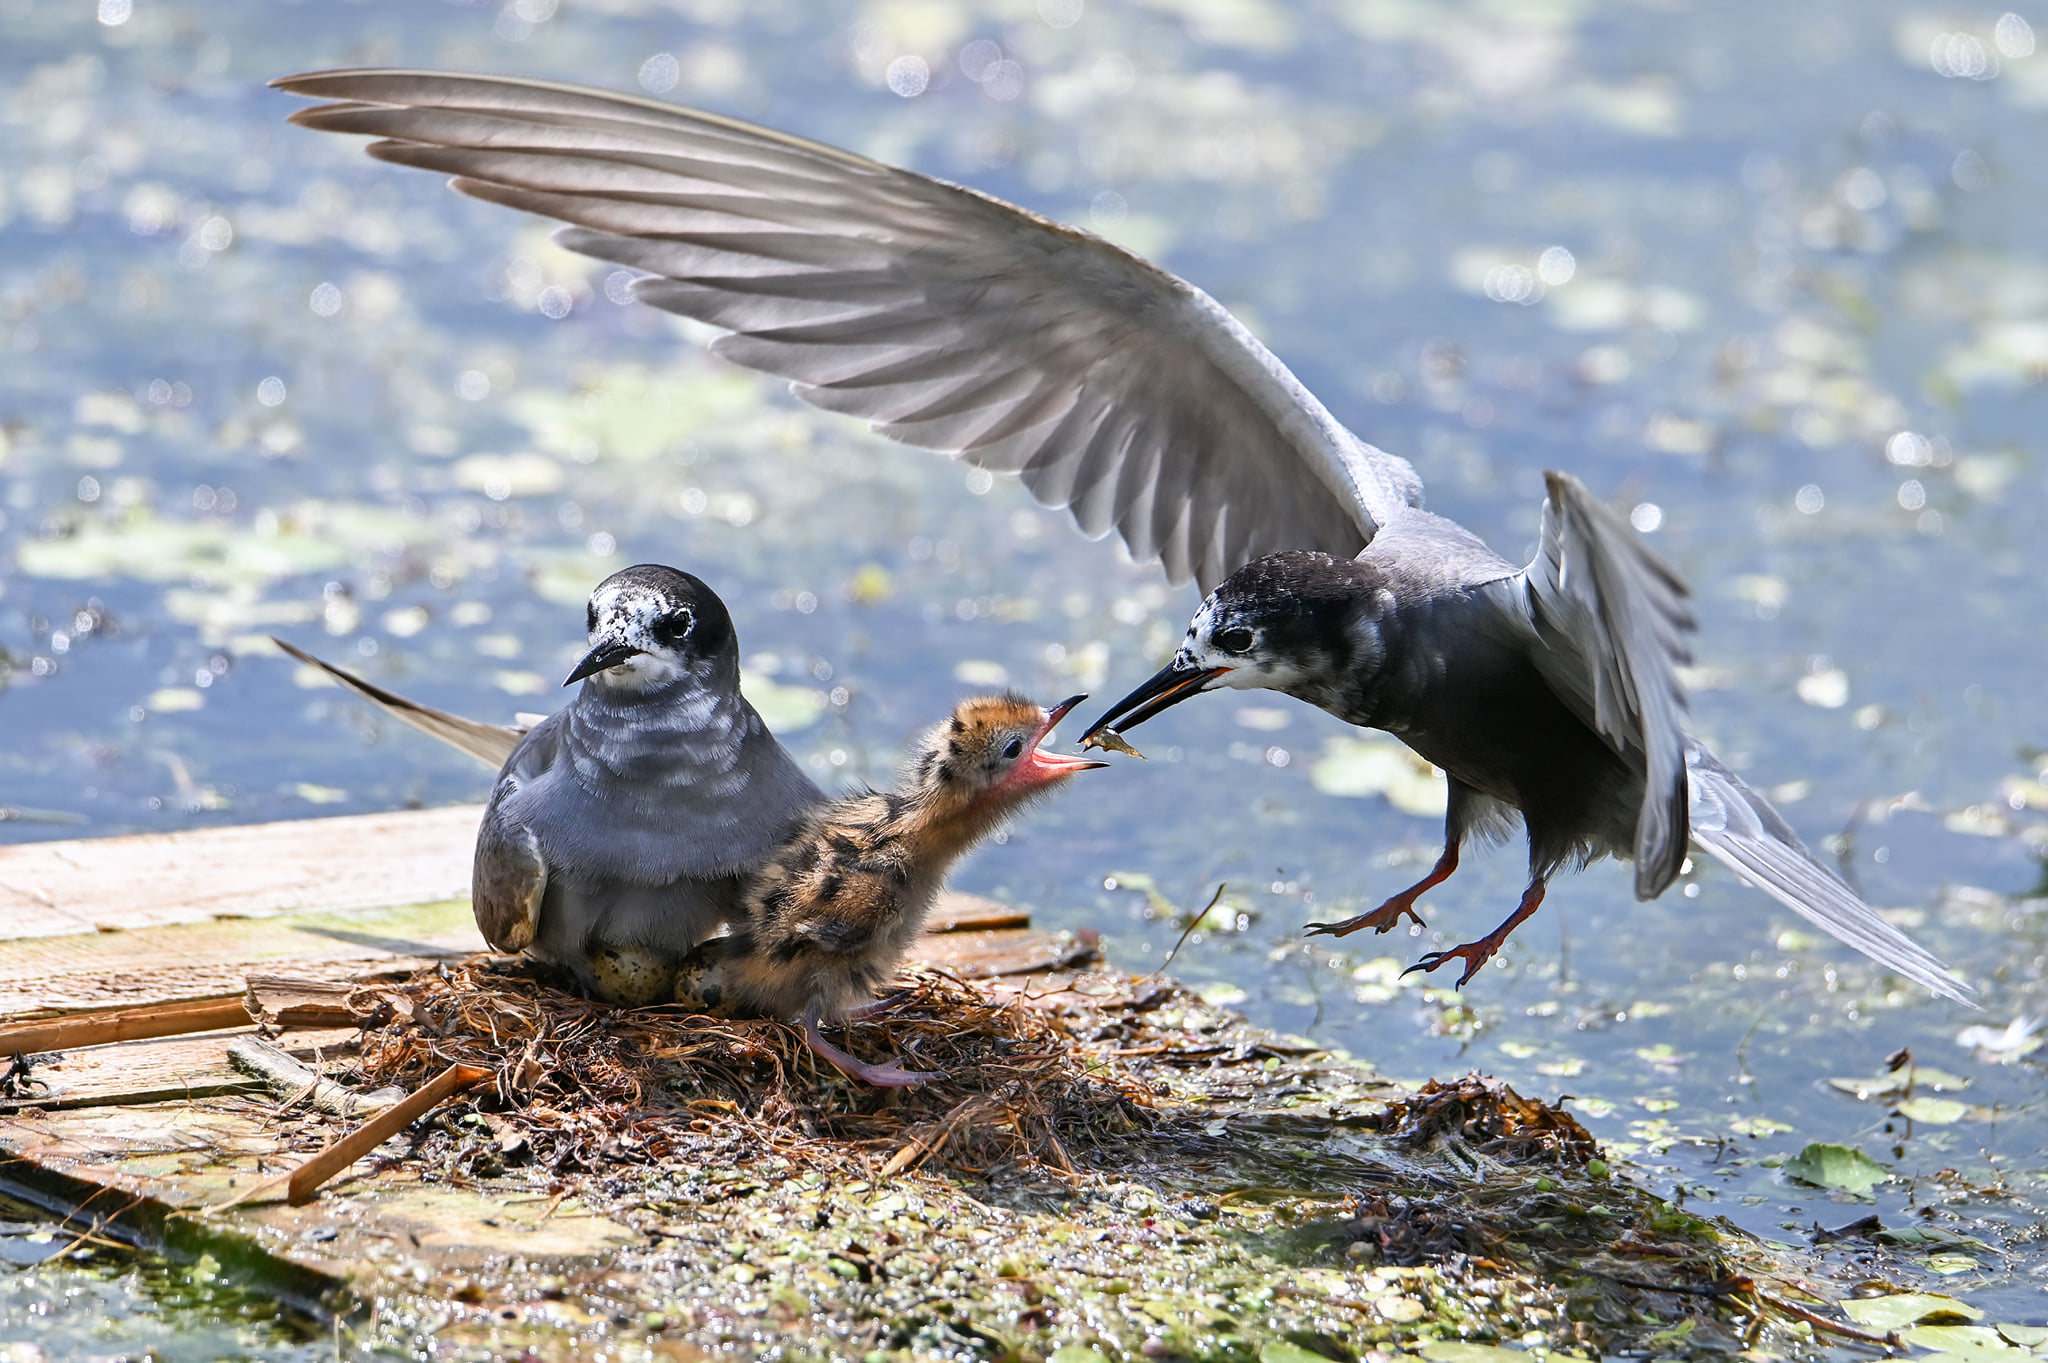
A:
[(1775, 276)]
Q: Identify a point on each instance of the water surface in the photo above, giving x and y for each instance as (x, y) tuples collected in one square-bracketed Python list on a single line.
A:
[(1772, 275)]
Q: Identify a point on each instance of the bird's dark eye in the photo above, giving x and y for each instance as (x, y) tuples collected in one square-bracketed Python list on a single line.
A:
[(672, 629), (1236, 639), (1013, 750)]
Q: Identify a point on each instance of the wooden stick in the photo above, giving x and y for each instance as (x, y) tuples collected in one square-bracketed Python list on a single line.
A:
[(986, 922), (136, 1023), (935, 1136), (1888, 1340), (307, 1178)]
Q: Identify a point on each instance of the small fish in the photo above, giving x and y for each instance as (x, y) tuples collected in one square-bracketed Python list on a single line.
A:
[(1112, 741)]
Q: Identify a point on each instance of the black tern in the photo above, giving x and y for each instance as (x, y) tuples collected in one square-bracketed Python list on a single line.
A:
[(1548, 693), (954, 321), (831, 915), (622, 828)]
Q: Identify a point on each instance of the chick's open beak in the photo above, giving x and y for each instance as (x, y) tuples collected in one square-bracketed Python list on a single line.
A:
[(1041, 765), (1169, 686), (606, 654)]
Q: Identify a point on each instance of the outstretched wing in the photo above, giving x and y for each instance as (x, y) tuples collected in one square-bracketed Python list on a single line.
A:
[(487, 743), (945, 318), (1614, 620), (1740, 828)]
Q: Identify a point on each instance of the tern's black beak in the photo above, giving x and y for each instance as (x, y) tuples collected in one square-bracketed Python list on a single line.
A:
[(607, 654), (1169, 686)]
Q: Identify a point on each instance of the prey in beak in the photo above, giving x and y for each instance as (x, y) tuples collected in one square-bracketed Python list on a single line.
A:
[(1169, 686)]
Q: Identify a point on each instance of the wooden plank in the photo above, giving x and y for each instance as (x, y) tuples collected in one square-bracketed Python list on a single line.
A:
[(133, 1023), (194, 959), (1010, 951), (361, 861), (957, 912), (160, 1070)]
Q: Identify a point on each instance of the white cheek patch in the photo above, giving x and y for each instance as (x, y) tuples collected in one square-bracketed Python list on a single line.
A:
[(629, 617)]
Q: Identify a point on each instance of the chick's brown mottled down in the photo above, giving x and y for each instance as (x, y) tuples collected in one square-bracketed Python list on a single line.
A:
[(831, 915)]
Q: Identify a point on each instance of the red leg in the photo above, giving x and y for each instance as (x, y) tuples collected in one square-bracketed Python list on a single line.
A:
[(891, 1075), (1388, 914), (1477, 954)]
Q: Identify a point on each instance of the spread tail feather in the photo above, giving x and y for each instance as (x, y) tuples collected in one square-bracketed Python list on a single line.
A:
[(487, 743), (1739, 827)]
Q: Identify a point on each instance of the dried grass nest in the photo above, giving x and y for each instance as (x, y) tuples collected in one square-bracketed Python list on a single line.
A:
[(582, 1086)]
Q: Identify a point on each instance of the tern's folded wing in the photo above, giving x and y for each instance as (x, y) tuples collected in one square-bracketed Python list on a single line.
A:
[(508, 878), (946, 318), (1614, 623)]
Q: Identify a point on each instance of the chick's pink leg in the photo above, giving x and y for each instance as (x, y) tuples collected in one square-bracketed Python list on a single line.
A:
[(891, 1075)]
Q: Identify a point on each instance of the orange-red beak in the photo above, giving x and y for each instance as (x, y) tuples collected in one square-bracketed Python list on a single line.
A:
[(1040, 766)]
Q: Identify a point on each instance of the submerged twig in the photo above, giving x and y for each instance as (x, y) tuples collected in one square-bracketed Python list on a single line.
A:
[(1187, 931)]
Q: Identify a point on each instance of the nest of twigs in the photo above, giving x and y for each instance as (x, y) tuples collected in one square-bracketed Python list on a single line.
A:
[(1493, 1119), (581, 1086)]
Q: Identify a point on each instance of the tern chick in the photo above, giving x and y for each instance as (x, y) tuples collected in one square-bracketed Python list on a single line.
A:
[(622, 827), (829, 917)]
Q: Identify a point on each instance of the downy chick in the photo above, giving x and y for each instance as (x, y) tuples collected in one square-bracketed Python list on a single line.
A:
[(830, 916)]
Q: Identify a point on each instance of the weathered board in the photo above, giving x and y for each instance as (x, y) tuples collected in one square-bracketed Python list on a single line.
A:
[(363, 861)]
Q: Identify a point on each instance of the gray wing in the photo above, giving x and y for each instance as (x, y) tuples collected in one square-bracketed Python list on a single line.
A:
[(1614, 620), (1740, 828), (488, 743), (509, 876), (946, 318)]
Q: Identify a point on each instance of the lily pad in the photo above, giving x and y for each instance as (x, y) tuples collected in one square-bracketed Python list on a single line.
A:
[(1933, 1111), (1906, 1308), (1964, 1342), (1364, 767), (1929, 1237), (1280, 1351), (1450, 1351), (1948, 1265), (1890, 1085), (1837, 1167), (785, 709), (2026, 1336)]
